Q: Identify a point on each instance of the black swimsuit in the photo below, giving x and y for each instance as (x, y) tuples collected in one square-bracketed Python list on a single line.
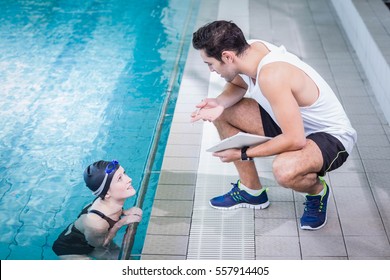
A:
[(72, 241)]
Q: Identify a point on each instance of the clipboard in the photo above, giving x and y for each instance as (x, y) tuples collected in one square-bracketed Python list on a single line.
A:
[(239, 140)]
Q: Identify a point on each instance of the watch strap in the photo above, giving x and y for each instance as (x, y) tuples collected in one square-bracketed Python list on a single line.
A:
[(244, 156)]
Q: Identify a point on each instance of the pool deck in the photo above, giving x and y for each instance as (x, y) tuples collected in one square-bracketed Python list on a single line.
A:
[(184, 226)]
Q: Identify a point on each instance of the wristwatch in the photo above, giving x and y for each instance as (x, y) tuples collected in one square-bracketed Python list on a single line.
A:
[(244, 156)]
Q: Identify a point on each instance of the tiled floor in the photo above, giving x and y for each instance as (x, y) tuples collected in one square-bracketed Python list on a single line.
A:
[(183, 226)]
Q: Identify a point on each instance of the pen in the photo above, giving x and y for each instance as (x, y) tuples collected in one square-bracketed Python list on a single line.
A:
[(200, 108)]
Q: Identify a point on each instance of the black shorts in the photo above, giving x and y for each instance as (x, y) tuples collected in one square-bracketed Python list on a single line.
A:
[(333, 151)]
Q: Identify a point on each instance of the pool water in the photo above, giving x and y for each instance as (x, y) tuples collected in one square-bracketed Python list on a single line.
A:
[(80, 81)]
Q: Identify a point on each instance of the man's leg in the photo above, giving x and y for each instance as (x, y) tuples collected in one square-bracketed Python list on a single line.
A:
[(298, 170), (243, 116)]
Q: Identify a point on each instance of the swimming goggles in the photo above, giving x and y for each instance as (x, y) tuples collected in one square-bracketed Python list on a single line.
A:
[(109, 169)]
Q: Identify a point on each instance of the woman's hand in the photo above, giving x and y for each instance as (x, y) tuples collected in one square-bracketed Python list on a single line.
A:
[(132, 215), (208, 110)]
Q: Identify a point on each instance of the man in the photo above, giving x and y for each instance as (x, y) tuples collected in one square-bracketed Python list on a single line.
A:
[(290, 102)]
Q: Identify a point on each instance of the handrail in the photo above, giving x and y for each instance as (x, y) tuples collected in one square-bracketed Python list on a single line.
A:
[(129, 237)]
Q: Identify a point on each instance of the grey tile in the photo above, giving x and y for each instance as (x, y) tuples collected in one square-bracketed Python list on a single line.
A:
[(169, 226), (172, 208), (175, 192), (325, 258), (281, 258), (379, 179), (182, 151), (277, 193), (363, 226), (276, 227), (352, 179), (184, 139), (180, 164), (187, 128), (361, 105), (163, 257), (362, 220), (277, 246), (373, 141), (354, 91), (323, 246), (277, 210), (354, 154), (367, 246), (382, 153), (177, 178), (377, 165), (364, 119), (368, 258), (370, 129), (382, 198), (351, 165), (165, 245)]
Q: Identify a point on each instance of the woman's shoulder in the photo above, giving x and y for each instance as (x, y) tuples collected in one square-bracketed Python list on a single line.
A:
[(94, 222)]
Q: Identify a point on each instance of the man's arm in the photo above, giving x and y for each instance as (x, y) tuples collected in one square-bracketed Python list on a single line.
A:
[(232, 92), (211, 108), (275, 81)]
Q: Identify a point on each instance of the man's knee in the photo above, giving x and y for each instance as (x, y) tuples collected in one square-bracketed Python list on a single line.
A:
[(226, 117), (221, 121), (284, 171)]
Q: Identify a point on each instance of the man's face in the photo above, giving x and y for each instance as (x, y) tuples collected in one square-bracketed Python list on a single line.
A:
[(225, 70)]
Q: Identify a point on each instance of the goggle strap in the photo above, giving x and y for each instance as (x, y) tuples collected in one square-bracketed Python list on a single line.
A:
[(100, 189)]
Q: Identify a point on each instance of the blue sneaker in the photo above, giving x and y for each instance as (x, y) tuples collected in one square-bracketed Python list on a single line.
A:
[(237, 198), (314, 216)]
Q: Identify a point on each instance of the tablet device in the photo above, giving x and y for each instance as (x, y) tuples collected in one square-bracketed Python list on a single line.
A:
[(239, 140)]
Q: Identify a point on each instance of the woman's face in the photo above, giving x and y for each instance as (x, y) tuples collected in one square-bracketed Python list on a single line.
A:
[(121, 187)]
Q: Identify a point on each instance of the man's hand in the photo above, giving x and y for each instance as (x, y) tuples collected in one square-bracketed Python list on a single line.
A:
[(229, 155), (208, 110)]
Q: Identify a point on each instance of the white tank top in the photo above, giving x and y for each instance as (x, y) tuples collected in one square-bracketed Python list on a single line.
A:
[(326, 114)]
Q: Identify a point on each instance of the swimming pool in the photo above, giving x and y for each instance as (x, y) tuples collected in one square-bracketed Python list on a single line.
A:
[(80, 81)]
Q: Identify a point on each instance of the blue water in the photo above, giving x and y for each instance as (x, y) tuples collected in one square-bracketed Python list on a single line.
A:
[(80, 81)]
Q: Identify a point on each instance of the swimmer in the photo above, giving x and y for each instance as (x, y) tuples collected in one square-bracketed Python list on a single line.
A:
[(91, 235)]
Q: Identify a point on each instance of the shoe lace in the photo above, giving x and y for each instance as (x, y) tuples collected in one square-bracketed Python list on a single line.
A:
[(312, 207), (235, 192)]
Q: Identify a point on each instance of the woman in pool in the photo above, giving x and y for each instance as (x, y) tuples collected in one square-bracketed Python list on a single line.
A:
[(90, 236)]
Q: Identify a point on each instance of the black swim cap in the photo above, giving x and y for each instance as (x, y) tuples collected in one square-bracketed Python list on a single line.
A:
[(95, 173)]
